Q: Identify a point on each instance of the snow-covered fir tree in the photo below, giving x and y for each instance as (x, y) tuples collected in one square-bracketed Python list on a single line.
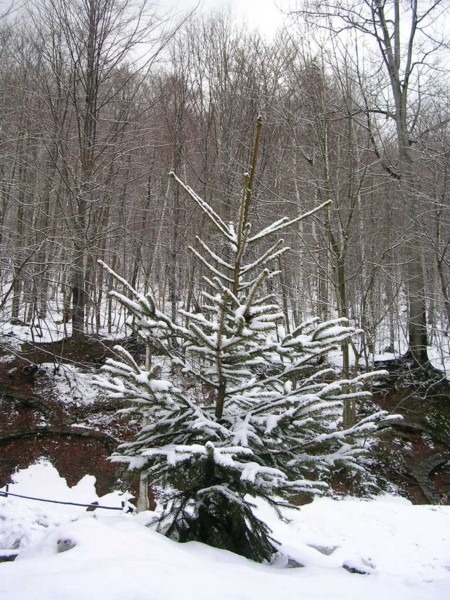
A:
[(247, 414)]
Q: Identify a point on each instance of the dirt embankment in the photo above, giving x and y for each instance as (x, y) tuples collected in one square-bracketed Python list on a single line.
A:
[(416, 452), (37, 422)]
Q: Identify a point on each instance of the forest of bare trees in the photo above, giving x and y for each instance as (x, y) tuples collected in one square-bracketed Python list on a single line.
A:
[(101, 99)]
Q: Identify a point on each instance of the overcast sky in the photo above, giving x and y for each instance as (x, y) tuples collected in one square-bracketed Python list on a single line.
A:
[(261, 14)]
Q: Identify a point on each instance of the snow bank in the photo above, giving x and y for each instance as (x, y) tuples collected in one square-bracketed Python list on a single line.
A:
[(404, 549)]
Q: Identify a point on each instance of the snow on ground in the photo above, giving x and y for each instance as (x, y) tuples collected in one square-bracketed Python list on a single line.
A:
[(52, 328), (69, 384), (404, 549), (39, 331), (439, 358)]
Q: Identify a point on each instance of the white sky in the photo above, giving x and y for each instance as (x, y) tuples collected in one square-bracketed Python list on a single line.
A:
[(259, 14)]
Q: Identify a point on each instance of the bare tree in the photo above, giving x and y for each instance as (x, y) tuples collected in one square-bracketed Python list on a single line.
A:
[(403, 37), (90, 41)]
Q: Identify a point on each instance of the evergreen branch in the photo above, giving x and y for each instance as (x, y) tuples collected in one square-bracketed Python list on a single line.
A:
[(251, 297), (120, 279), (263, 299), (209, 266), (202, 336), (276, 250), (218, 285), (125, 355), (244, 286), (272, 229), (213, 255), (206, 209)]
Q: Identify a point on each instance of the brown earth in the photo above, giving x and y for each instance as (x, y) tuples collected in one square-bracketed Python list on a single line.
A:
[(35, 424), (416, 451)]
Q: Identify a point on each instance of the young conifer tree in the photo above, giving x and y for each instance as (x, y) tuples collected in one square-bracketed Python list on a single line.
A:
[(263, 417)]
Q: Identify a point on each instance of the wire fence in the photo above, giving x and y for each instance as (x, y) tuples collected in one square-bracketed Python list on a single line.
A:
[(93, 505)]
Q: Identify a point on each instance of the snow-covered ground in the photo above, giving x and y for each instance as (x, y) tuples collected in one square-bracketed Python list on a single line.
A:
[(404, 549), (52, 329), (70, 384)]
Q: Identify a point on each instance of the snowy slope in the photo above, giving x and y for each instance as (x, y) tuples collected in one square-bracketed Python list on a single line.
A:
[(405, 549)]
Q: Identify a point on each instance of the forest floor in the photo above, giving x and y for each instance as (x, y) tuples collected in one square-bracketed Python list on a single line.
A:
[(49, 409)]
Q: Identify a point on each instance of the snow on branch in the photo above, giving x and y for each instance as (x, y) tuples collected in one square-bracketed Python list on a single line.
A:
[(209, 265), (213, 255), (207, 209), (274, 252), (120, 279), (280, 226)]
